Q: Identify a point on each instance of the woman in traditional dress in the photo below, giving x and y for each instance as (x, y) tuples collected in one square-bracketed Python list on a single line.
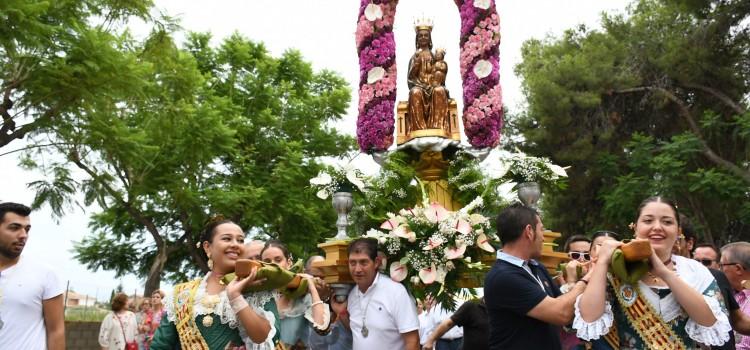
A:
[(144, 317), (296, 315), (205, 314), (119, 326), (674, 305)]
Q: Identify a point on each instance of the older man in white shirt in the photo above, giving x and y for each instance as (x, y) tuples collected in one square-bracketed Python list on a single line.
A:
[(382, 315)]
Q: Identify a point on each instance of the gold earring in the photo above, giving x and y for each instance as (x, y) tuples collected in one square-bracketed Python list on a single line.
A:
[(210, 262)]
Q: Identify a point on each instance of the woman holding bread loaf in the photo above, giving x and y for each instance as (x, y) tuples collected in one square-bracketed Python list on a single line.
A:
[(640, 296), (297, 315), (208, 314)]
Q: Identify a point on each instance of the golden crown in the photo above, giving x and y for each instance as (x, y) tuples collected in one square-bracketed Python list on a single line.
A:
[(423, 23)]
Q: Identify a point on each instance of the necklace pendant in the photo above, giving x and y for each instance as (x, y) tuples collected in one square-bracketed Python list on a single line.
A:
[(365, 332), (208, 321)]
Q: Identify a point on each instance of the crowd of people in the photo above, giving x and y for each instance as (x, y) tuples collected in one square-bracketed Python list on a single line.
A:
[(690, 296)]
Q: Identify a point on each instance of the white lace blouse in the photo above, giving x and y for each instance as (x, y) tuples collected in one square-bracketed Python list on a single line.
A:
[(223, 310), (697, 277)]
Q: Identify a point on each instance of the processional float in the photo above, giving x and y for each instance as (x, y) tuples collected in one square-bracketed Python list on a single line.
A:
[(426, 125)]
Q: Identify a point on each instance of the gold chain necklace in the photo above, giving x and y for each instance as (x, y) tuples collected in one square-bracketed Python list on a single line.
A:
[(209, 303)]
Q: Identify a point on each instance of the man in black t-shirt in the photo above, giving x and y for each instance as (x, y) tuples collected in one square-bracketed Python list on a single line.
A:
[(524, 306), (472, 316)]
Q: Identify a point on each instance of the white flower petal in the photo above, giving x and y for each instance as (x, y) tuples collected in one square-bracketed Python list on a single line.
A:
[(482, 4), (322, 194), (375, 74), (482, 68), (351, 175), (506, 191), (322, 179), (373, 12), (557, 170)]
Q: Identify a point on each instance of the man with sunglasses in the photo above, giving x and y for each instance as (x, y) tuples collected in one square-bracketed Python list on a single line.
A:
[(707, 254)]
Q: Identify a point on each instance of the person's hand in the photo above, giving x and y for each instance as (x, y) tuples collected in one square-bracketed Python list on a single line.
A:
[(429, 344), (571, 271), (322, 287), (657, 266), (340, 309), (606, 250), (310, 282), (235, 288)]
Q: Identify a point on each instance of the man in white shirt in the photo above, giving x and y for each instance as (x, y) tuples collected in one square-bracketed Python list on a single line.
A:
[(430, 319), (382, 315), (31, 300)]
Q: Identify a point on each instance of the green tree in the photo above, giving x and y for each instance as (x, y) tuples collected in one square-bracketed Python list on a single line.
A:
[(230, 131), (654, 103), (55, 59)]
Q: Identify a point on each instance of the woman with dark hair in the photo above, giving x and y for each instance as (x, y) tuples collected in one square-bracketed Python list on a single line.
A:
[(297, 316), (597, 239), (675, 304), (119, 327), (206, 314)]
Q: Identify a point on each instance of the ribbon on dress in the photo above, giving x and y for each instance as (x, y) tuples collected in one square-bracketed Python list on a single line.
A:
[(656, 333)]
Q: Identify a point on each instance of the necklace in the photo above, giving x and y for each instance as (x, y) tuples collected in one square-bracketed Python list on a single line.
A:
[(654, 279), (365, 332), (209, 303)]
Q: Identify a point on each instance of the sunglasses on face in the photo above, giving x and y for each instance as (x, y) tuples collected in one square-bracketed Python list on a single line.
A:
[(705, 262), (578, 255)]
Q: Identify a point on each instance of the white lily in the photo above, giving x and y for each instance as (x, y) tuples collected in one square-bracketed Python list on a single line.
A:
[(482, 68), (322, 194), (322, 179), (557, 170), (351, 175), (373, 12), (375, 74), (482, 4)]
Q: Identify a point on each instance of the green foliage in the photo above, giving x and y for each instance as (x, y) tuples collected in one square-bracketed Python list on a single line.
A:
[(467, 183), (164, 137), (639, 109), (59, 57)]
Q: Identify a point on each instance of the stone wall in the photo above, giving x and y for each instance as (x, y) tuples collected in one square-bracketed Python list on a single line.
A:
[(82, 335)]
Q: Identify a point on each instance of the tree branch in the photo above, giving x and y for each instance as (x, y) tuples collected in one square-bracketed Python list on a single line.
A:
[(685, 113), (6, 137), (136, 214), (719, 95)]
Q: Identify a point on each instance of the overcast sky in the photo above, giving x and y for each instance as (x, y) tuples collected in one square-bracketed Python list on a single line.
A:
[(323, 30)]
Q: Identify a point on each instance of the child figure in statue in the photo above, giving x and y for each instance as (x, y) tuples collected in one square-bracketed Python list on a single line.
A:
[(440, 68)]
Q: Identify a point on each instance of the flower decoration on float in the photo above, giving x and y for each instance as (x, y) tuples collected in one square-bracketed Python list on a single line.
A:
[(519, 167), (343, 179), (429, 248), (479, 66), (376, 48)]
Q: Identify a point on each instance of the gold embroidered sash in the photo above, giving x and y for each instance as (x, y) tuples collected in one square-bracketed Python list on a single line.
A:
[(656, 333), (187, 329)]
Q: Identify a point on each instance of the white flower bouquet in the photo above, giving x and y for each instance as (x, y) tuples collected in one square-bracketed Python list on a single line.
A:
[(346, 179)]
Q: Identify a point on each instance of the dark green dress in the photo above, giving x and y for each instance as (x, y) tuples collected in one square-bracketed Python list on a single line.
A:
[(225, 331)]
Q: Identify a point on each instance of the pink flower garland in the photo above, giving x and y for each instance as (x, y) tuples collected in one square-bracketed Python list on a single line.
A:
[(480, 64), (376, 47)]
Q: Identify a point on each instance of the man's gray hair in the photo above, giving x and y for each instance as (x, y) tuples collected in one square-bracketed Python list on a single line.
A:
[(739, 252), (308, 263)]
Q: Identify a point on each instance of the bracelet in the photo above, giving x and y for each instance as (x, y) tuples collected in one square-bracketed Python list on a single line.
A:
[(238, 304), (584, 281), (316, 303)]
